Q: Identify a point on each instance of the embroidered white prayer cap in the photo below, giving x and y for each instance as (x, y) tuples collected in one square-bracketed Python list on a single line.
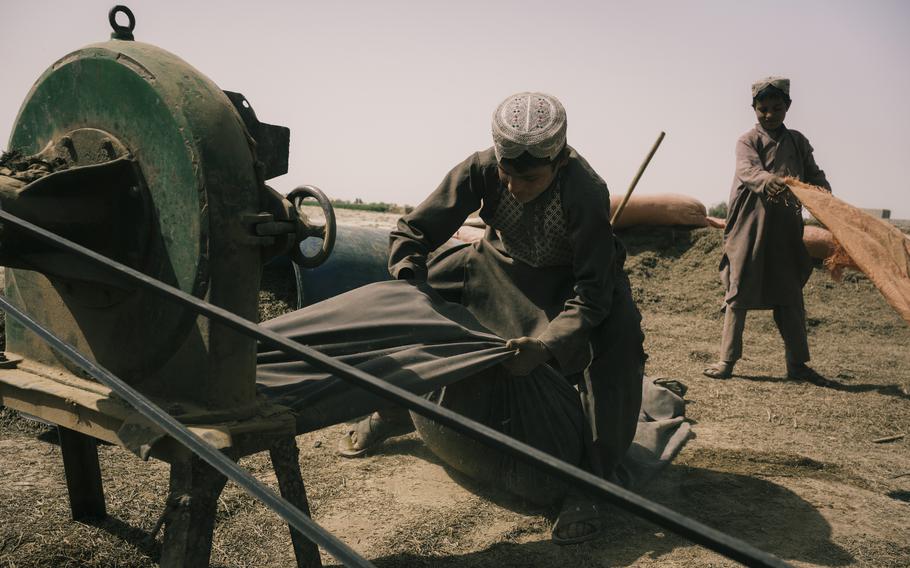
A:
[(781, 83), (529, 122)]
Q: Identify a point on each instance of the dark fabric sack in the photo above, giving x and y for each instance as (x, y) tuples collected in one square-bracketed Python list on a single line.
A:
[(408, 335)]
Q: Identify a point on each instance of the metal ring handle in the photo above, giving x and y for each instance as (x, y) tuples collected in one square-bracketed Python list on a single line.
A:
[(326, 232), (121, 32)]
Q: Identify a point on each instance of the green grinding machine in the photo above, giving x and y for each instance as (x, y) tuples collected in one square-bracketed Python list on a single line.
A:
[(126, 149)]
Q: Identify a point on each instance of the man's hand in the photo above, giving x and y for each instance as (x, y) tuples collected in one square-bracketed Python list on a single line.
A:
[(776, 186), (531, 353)]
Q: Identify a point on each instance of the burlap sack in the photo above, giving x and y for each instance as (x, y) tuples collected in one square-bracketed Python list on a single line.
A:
[(877, 247)]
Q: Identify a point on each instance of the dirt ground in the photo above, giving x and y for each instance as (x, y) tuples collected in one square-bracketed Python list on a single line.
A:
[(789, 467)]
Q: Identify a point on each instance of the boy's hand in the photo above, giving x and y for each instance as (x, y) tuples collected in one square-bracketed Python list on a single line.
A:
[(776, 186), (531, 353)]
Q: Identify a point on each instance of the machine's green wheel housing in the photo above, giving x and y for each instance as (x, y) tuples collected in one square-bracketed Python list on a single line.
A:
[(187, 139)]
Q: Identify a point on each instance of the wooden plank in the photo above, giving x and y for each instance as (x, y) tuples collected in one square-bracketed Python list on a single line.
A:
[(91, 410)]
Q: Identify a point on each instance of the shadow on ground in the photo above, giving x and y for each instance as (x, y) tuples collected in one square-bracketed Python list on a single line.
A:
[(761, 513), (885, 390), (143, 542), (416, 448)]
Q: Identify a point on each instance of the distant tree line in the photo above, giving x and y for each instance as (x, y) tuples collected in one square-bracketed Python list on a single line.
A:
[(380, 207), (719, 210)]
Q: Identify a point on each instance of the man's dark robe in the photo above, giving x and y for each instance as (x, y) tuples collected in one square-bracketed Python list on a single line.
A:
[(549, 269), (765, 262)]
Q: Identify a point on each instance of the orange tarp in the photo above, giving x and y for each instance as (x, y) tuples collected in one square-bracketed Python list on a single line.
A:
[(877, 247), (819, 242), (662, 209)]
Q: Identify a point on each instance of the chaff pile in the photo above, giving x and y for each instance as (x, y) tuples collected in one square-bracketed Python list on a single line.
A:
[(18, 170)]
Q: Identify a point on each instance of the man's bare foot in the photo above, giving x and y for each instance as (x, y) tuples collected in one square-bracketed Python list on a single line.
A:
[(719, 370)]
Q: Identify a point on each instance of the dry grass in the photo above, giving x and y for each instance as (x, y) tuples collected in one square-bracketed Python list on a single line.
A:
[(786, 466)]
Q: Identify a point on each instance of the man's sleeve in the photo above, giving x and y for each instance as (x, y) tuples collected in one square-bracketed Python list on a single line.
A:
[(567, 337), (750, 171), (813, 174), (435, 220)]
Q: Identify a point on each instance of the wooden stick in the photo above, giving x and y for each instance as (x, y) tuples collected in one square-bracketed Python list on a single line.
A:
[(641, 170), (894, 438)]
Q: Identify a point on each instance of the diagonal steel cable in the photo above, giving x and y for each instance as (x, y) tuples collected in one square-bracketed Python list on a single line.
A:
[(294, 516), (729, 546)]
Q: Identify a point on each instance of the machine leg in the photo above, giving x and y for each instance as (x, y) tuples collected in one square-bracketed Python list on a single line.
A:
[(192, 501), (83, 474), (285, 456)]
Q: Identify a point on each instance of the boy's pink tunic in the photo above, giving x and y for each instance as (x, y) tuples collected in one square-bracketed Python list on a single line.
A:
[(765, 262)]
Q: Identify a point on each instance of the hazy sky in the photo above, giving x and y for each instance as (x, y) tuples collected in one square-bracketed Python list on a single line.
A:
[(384, 97)]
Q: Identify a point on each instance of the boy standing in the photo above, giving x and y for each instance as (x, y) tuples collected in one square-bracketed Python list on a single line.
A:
[(765, 263), (548, 274)]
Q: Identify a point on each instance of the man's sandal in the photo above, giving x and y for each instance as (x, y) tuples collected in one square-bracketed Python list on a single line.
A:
[(719, 370), (587, 515), (370, 433)]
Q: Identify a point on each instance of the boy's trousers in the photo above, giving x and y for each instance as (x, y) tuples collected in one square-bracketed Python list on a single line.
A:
[(791, 322)]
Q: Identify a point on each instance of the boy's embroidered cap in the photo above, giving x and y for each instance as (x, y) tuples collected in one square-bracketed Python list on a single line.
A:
[(529, 122), (781, 83)]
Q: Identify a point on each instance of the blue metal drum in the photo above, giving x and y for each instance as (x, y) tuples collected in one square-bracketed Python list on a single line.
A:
[(360, 257)]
